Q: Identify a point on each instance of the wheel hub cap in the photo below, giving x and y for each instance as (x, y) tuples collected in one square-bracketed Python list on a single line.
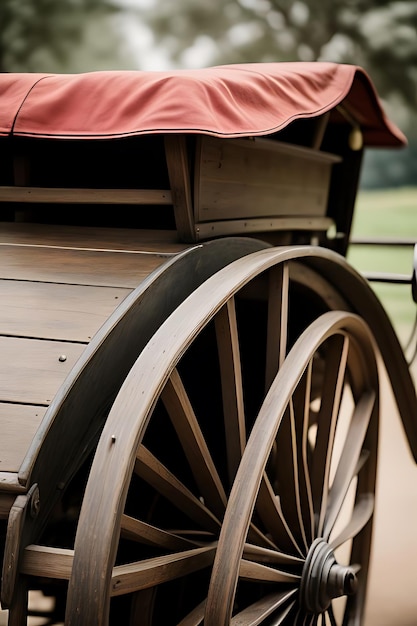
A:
[(323, 579)]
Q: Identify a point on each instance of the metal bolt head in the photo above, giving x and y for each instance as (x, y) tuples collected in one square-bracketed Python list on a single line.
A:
[(35, 503)]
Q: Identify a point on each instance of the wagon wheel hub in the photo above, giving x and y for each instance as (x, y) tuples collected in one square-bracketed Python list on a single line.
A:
[(323, 579)]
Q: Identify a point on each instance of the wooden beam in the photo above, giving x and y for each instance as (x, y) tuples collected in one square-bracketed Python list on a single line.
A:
[(63, 195)]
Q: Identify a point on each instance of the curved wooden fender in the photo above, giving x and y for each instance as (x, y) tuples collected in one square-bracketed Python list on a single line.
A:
[(355, 289)]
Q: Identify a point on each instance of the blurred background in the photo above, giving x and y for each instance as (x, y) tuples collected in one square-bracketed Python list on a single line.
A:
[(381, 36)]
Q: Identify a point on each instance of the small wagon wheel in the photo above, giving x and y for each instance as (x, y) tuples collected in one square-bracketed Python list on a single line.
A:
[(308, 474), (160, 492)]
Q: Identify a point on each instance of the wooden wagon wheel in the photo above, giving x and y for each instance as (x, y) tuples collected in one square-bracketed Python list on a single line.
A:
[(308, 477), (160, 493)]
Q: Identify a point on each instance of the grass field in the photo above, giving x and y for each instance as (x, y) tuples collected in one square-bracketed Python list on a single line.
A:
[(390, 213)]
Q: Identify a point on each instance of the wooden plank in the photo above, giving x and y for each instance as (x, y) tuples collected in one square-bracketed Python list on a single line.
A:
[(88, 237), (61, 195), (79, 267), (19, 423), (31, 370), (259, 178), (55, 311), (207, 230)]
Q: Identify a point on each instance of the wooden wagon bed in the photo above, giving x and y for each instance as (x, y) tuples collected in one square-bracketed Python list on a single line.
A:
[(58, 286)]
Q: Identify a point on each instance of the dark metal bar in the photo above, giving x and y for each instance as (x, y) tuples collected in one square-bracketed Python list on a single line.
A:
[(382, 277), (373, 241)]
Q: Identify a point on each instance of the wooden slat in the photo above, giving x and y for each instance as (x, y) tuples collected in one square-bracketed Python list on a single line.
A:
[(85, 196), (19, 423), (87, 237), (31, 370), (79, 267), (54, 311)]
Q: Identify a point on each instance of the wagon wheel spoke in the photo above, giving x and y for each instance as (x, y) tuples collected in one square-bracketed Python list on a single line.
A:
[(232, 392), (250, 570), (136, 576), (260, 538), (267, 555), (349, 459), (276, 604), (270, 511), (195, 617), (177, 403), (277, 325), (288, 478), (332, 617), (302, 410), (156, 474), (292, 471), (362, 513), (333, 381), (302, 619), (137, 530)]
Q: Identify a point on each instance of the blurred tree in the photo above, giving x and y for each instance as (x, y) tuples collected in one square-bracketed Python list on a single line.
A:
[(379, 35), (60, 35)]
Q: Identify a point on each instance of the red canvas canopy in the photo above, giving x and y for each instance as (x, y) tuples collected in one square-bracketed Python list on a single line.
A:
[(228, 101)]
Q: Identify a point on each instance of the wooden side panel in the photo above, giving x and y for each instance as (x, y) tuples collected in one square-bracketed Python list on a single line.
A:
[(31, 370), (57, 311), (58, 286), (19, 423), (258, 178), (79, 267), (160, 242)]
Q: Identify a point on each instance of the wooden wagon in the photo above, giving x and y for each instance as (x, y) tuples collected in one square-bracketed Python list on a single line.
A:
[(188, 370)]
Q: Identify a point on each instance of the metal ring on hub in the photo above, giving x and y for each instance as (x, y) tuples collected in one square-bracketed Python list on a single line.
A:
[(323, 579)]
